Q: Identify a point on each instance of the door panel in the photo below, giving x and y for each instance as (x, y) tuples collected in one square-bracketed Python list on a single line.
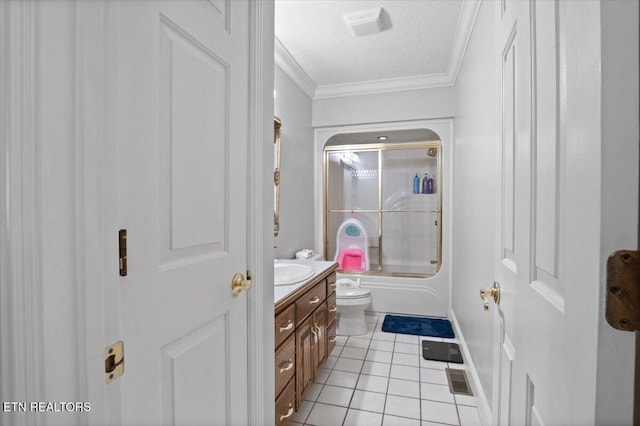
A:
[(182, 144), (547, 357)]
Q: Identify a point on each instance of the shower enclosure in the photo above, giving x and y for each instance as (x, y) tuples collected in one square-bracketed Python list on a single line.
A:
[(375, 184)]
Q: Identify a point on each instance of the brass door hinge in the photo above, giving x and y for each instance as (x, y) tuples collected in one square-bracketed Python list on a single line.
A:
[(623, 290), (113, 361), (122, 245)]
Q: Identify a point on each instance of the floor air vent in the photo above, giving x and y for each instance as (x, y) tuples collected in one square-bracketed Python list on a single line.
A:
[(458, 382)]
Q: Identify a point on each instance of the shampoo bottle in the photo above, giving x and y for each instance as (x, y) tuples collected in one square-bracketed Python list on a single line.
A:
[(416, 184), (425, 179), (429, 185)]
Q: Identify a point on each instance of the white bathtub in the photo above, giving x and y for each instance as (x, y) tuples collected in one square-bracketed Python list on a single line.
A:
[(414, 296)]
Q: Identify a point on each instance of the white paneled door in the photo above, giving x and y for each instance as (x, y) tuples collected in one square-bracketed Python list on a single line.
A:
[(547, 260), (182, 117)]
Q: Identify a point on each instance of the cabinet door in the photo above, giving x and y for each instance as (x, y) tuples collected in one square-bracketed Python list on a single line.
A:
[(320, 327), (305, 366)]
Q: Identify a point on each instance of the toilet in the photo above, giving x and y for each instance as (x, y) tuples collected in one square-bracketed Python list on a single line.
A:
[(351, 302), (352, 254)]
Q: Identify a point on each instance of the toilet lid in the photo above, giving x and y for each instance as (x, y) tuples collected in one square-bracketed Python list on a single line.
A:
[(352, 292)]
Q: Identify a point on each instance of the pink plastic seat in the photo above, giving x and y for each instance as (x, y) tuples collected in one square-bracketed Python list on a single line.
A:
[(351, 259)]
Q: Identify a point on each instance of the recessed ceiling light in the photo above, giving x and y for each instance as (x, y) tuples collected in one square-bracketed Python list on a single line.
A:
[(383, 138)]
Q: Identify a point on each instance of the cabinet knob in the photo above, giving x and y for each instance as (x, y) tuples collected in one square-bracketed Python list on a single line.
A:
[(314, 300)]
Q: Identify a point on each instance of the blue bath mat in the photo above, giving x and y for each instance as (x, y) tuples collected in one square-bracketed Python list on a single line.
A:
[(435, 327)]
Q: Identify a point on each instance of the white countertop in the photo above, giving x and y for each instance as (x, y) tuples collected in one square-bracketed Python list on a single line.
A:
[(281, 291)]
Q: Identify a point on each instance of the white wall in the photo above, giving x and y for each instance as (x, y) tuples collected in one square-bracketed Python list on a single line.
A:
[(293, 106), (614, 399), (402, 105), (476, 148)]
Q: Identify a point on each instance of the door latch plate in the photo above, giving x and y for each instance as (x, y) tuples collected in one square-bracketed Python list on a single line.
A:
[(113, 361), (623, 290)]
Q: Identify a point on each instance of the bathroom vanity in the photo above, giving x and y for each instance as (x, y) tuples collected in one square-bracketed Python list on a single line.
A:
[(305, 333)]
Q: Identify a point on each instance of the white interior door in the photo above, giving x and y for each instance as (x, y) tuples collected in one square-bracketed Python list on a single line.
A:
[(182, 143), (546, 358)]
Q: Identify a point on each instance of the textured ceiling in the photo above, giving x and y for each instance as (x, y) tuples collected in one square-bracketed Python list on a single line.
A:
[(417, 39)]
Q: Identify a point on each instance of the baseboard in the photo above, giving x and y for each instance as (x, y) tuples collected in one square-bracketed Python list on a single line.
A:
[(484, 411)]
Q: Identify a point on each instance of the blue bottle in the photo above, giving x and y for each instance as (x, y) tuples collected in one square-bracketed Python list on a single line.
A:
[(430, 185), (425, 181), (416, 184)]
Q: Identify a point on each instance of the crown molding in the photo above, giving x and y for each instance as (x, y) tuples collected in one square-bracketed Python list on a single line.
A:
[(284, 60), (426, 81), (466, 21)]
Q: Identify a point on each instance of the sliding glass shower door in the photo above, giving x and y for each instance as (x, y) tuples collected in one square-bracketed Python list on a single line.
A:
[(374, 183)]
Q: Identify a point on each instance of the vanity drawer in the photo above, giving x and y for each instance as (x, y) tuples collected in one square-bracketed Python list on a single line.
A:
[(331, 283), (285, 363), (332, 309), (284, 325), (285, 404), (331, 337), (309, 301)]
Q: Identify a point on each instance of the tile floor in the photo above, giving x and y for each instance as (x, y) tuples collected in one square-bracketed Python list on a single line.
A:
[(381, 379)]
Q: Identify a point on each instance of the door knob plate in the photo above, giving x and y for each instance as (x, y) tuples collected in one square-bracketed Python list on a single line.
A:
[(239, 284)]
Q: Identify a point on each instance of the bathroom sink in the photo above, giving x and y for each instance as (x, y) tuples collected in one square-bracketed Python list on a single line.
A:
[(291, 273)]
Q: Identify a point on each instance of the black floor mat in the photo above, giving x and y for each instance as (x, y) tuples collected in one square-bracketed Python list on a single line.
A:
[(441, 351)]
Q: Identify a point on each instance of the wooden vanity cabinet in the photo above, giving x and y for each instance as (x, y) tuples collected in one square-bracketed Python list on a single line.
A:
[(304, 337)]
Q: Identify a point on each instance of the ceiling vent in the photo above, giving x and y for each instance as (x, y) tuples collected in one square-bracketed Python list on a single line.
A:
[(365, 22)]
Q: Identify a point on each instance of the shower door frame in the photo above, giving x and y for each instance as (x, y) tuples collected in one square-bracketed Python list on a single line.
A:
[(379, 148)]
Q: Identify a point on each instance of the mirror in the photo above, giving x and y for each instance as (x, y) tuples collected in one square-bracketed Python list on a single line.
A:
[(276, 176)]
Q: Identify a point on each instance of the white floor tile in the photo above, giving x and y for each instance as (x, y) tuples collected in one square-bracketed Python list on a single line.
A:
[(434, 339), (429, 375), (379, 356), (341, 340), (383, 335), (343, 378), (465, 400), (399, 421), (303, 412), (369, 334), (355, 353), (426, 423), (336, 351), (407, 338), (323, 373), (313, 392), (404, 388), (408, 348), (381, 345), (376, 368), (406, 359), (356, 342), (322, 415), (373, 383), (405, 372), (468, 416), (435, 392), (362, 418), (369, 401), (330, 362), (348, 364), (403, 407), (436, 365), (439, 412), (335, 395)]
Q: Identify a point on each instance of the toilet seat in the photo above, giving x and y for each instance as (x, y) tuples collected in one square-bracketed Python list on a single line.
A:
[(352, 293)]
